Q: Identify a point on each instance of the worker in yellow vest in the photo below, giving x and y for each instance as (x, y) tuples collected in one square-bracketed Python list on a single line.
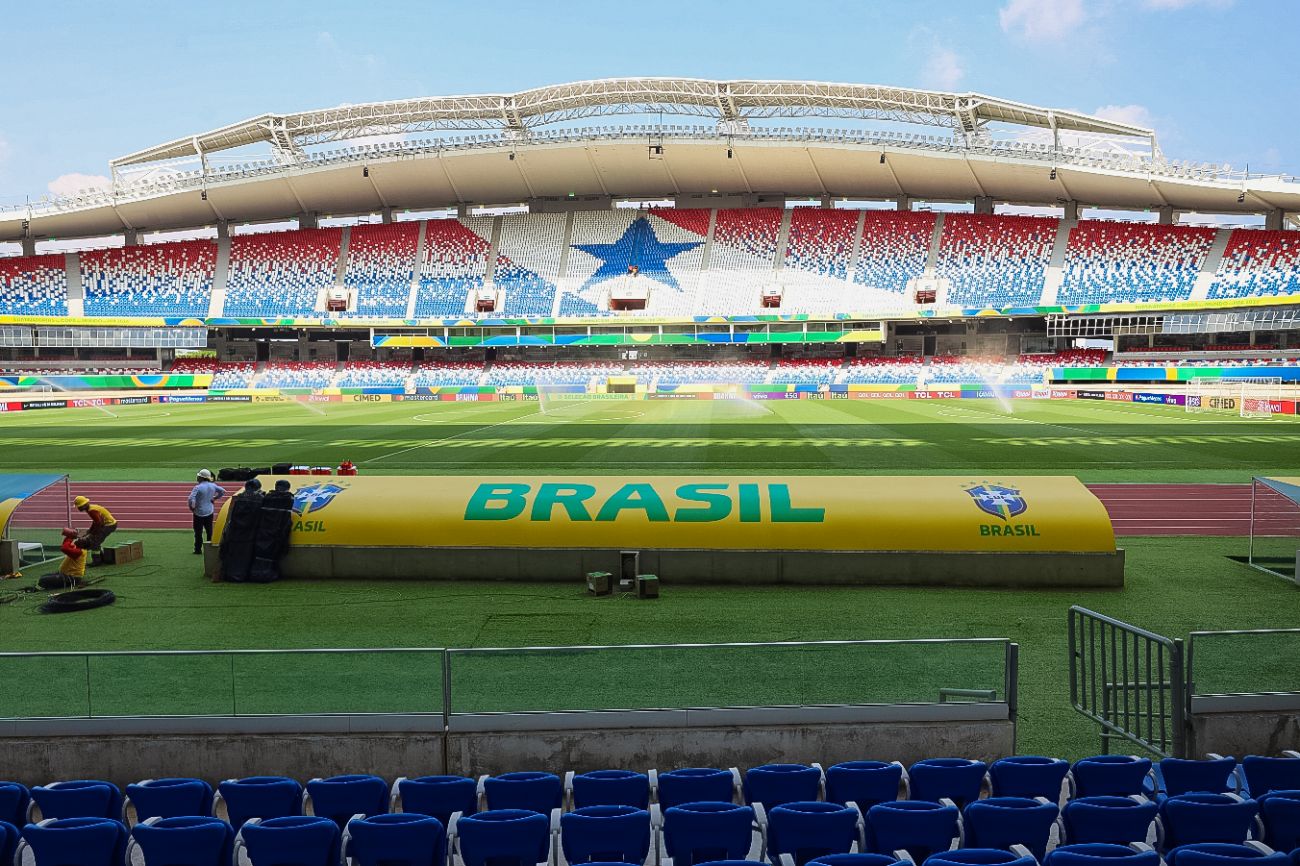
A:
[(102, 524)]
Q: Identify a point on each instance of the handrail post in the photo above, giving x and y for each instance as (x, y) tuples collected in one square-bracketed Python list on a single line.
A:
[(1011, 690), (1177, 700)]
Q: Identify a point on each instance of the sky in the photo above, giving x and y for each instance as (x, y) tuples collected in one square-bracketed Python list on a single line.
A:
[(90, 81)]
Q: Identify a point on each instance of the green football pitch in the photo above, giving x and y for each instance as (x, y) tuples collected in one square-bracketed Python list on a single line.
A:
[(1175, 585)]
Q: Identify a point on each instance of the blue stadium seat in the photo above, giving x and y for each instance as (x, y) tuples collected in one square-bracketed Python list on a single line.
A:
[(340, 797), (775, 784), (1271, 774), (857, 860), (1116, 820), (919, 827), (956, 779), (501, 837), (608, 788), (1000, 822), (696, 785), (400, 839), (291, 840), (9, 837), (696, 833), (1222, 854), (1190, 819), (865, 782), (13, 803), (436, 796), (534, 791), (258, 797), (1028, 776), (73, 842), (1101, 854), (83, 798), (182, 841), (979, 857), (808, 830), (1174, 776), (606, 833), (169, 798), (1108, 776), (1280, 813)]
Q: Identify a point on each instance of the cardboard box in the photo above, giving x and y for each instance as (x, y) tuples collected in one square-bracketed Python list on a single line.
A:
[(598, 582), (647, 586)]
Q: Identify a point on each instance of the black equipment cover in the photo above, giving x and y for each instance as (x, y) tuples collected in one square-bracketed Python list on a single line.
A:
[(239, 535), (275, 520)]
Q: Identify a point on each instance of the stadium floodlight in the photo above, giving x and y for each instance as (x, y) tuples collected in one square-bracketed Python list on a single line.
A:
[(882, 159), (1052, 175), (1241, 199)]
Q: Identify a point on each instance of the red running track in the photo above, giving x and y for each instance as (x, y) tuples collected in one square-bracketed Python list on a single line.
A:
[(1135, 509)]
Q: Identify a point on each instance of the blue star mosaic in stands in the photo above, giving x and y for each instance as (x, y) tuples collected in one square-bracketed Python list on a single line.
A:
[(638, 246)]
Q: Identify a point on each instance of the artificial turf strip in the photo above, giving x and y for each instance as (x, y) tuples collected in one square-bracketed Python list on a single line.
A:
[(1175, 585), (1097, 441)]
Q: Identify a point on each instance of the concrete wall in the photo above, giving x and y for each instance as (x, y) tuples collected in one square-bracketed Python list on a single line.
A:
[(1244, 725)]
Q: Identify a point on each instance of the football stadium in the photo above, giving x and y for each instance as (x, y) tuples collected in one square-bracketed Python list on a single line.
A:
[(653, 469)]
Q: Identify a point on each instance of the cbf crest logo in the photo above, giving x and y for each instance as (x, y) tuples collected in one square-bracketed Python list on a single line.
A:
[(1000, 501), (314, 497)]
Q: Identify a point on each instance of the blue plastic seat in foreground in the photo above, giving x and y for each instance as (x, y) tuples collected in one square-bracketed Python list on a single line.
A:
[(183, 841), (696, 833), (918, 827), (169, 798), (1183, 776), (13, 803), (340, 797), (733, 863), (809, 830), (1108, 776), (956, 779), (74, 842), (501, 837), (605, 833), (1280, 812), (1271, 774), (1000, 822), (9, 837), (857, 860), (864, 782), (292, 840), (399, 839), (1028, 776), (696, 785), (775, 784), (83, 798), (979, 857), (1100, 854), (259, 797), (533, 791), (437, 796), (608, 788), (1222, 854), (1190, 819), (1117, 820)]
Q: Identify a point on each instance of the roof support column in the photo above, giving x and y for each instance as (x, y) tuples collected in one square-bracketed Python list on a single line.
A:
[(1072, 211), (1167, 215), (223, 230), (308, 220), (1274, 219), (29, 246), (130, 238), (386, 216), (904, 202), (984, 204)]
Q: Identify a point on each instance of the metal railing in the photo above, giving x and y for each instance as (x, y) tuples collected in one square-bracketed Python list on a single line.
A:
[(1128, 680)]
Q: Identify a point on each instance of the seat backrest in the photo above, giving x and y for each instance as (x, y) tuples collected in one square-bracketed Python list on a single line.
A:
[(1225, 854), (700, 832), (611, 788), (856, 860), (340, 797), (83, 798), (1000, 822), (9, 837), (1194, 818), (1117, 820), (185, 841), (506, 837), (169, 798), (1183, 776), (695, 785), (1270, 774), (863, 782), (292, 840), (396, 838), (76, 841), (774, 784), (956, 779), (260, 797), (1280, 812), (1028, 776), (13, 803), (979, 857), (532, 791), (438, 796), (919, 827), (1100, 854), (1109, 775), (809, 830), (605, 833)]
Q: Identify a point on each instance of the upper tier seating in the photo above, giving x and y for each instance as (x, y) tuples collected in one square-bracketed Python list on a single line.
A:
[(434, 375), (233, 375), (374, 374), (894, 248), (1259, 264), (153, 280), (528, 262), (455, 262), (821, 241), (1108, 262), (381, 263), (194, 366), (296, 374), (34, 286), (559, 373), (995, 261), (281, 274), (741, 261)]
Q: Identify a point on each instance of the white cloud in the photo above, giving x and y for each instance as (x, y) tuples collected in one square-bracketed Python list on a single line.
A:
[(1175, 5), (1137, 115), (71, 184), (943, 69), (1047, 20)]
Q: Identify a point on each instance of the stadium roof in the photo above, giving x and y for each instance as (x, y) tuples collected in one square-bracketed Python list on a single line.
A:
[(712, 140)]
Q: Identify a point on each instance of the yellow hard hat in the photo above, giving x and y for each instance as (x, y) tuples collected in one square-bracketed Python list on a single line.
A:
[(80, 502)]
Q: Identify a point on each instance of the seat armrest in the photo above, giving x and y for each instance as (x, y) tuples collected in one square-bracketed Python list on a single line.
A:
[(1290, 753), (653, 775), (482, 792), (785, 860), (395, 794), (1140, 847), (1250, 843), (737, 786), (1021, 851), (821, 780), (567, 796), (904, 783), (902, 854)]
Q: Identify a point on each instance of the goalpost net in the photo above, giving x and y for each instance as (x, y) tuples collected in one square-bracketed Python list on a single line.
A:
[(1258, 397)]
